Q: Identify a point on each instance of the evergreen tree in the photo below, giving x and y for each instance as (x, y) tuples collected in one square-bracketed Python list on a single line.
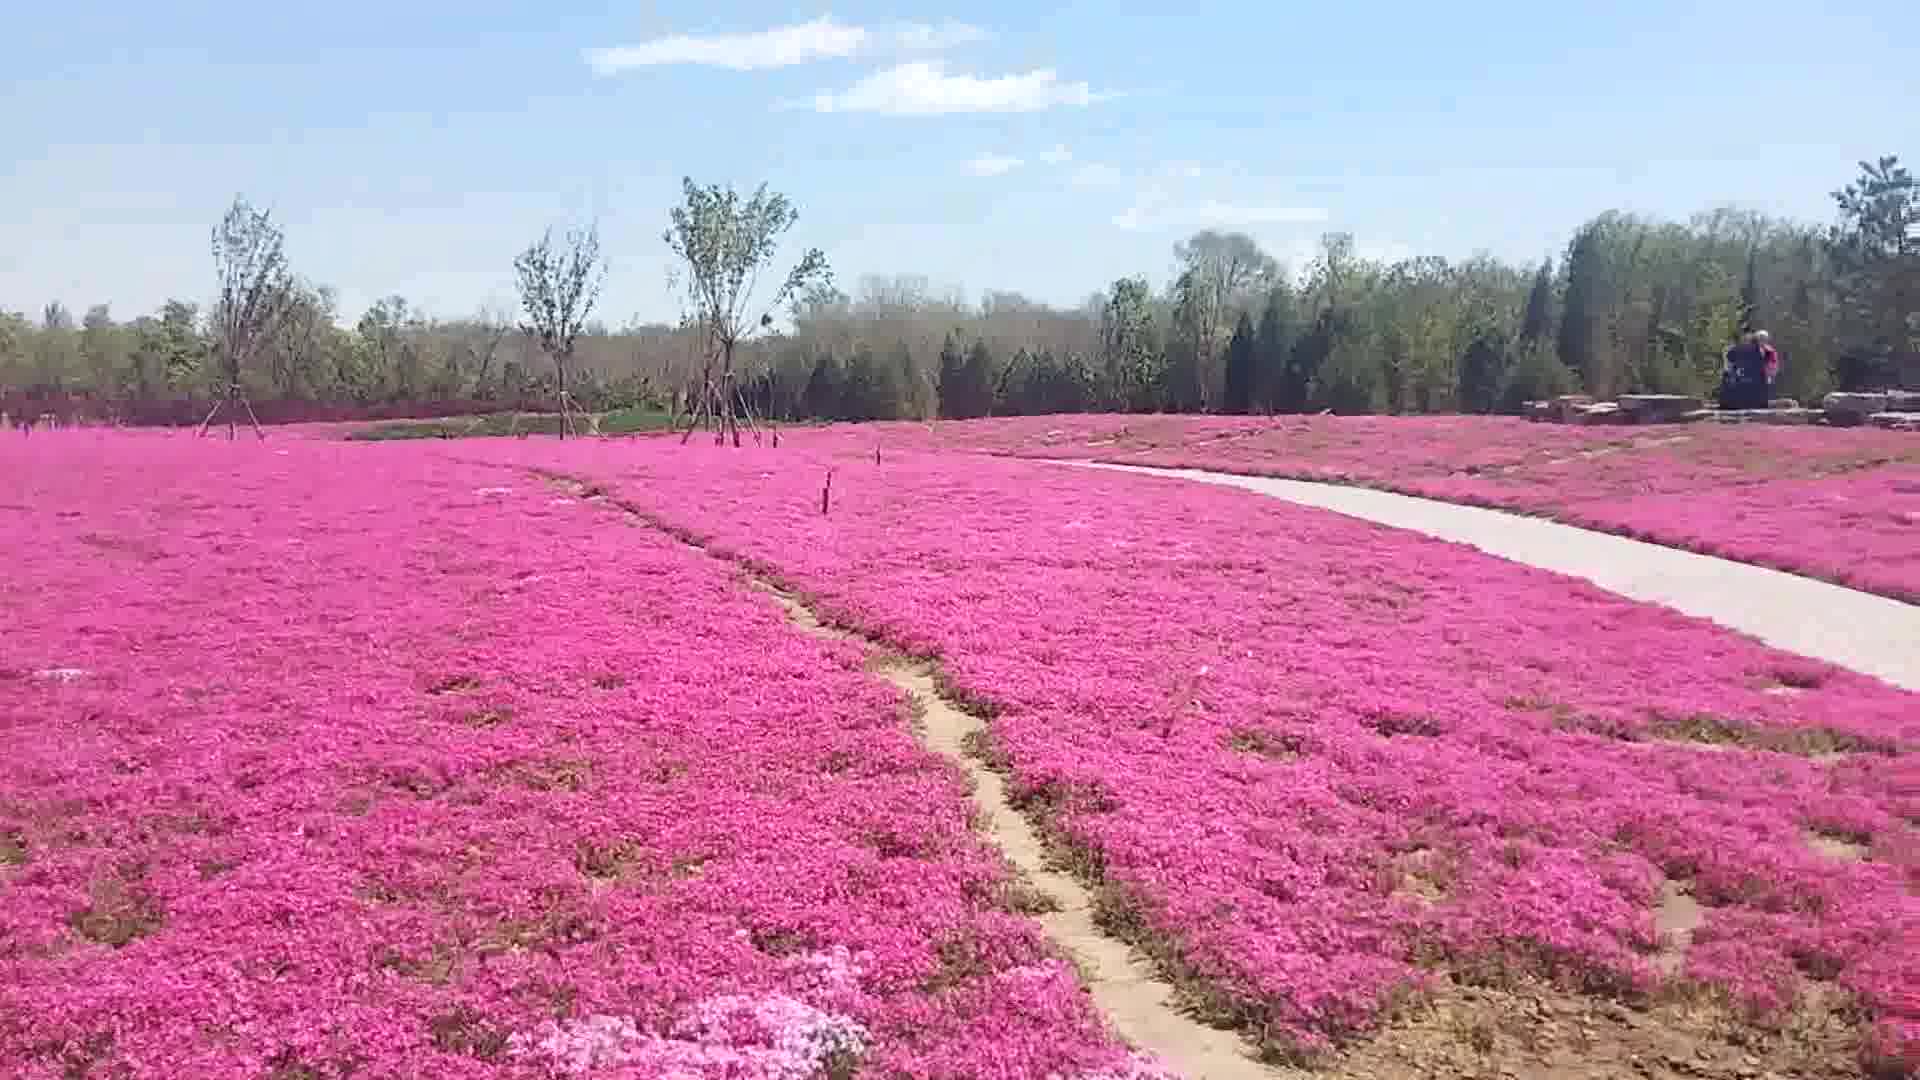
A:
[(952, 389), (1009, 396), (890, 383), (1304, 361), (1537, 323), (860, 389), (1242, 374), (976, 382), (1580, 320), (1536, 374), (1272, 348), (822, 399)]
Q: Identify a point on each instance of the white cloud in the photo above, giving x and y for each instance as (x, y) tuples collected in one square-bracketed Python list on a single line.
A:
[(1059, 155), (993, 165), (1214, 214), (781, 46), (924, 88)]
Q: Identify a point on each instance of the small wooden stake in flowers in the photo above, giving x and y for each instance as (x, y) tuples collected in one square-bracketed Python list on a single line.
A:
[(826, 493)]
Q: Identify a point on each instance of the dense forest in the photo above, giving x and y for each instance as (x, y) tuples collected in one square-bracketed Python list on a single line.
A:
[(1631, 304)]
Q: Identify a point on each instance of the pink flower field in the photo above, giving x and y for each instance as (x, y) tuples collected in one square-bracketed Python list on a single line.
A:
[(1317, 766), (1834, 503), (322, 760)]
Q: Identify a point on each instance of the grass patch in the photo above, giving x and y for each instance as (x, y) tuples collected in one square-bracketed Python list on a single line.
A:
[(120, 912), (487, 718), (1707, 729), (608, 861), (550, 775), (464, 1031), (500, 424), (1266, 744), (454, 684), (782, 942)]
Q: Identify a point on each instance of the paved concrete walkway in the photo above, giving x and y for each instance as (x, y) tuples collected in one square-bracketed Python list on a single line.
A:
[(1857, 630)]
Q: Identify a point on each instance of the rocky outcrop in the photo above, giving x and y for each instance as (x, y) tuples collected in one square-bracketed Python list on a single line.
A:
[(1849, 410), (1765, 416), (1601, 412), (1658, 408), (1897, 410)]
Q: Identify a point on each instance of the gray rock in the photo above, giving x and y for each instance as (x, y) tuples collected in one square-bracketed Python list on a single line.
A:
[(1895, 421), (1658, 408), (1605, 412), (1857, 403), (1765, 416)]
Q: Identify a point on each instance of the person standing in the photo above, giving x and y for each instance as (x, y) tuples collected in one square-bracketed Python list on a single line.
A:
[(1746, 377), (1770, 359)]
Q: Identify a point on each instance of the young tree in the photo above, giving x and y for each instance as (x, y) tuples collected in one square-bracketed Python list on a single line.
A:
[(55, 348), (1875, 252), (300, 341), (1131, 362), (726, 242), (558, 287), (178, 345), (103, 348), (250, 266)]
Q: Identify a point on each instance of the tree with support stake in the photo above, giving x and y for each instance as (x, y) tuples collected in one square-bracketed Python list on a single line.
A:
[(725, 242), (255, 292), (558, 287)]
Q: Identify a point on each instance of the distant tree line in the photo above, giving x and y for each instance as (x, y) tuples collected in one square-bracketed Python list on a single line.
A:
[(1632, 304)]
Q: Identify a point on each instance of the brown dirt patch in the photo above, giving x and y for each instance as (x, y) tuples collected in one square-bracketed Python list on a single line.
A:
[(1677, 917), (1835, 847), (1536, 1031)]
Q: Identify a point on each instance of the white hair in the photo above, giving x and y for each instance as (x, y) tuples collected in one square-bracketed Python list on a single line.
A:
[(1762, 335)]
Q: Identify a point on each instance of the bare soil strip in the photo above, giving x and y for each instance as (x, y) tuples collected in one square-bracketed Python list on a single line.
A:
[(1135, 1000)]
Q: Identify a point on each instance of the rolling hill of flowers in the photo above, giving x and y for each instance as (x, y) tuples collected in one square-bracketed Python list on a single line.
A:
[(1316, 765), (1833, 503), (322, 760)]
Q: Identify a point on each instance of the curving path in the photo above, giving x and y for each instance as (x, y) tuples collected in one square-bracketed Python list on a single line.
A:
[(1871, 634)]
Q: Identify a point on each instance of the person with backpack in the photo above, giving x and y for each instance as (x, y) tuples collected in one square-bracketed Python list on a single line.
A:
[(1746, 376)]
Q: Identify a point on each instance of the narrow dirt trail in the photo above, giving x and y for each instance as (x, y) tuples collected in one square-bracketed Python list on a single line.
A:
[(1871, 634), (1134, 998), (1138, 1003)]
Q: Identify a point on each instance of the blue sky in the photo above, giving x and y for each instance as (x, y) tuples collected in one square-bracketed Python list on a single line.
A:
[(414, 147)]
